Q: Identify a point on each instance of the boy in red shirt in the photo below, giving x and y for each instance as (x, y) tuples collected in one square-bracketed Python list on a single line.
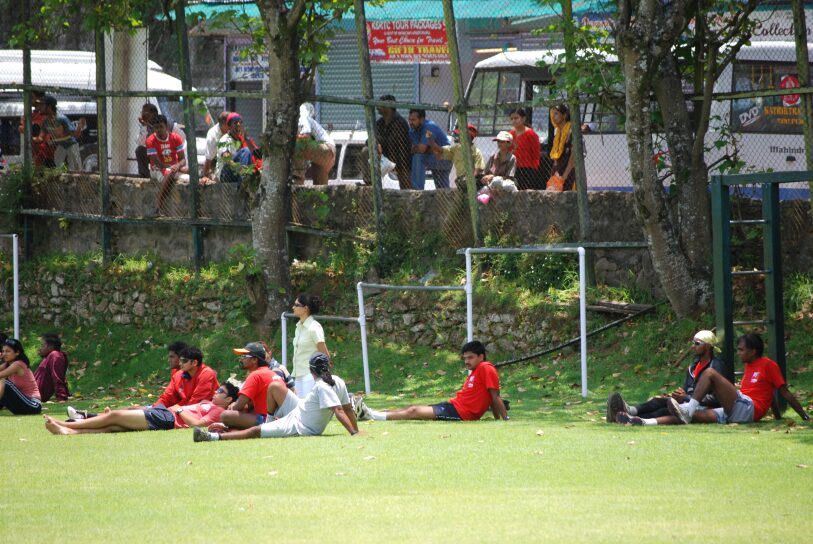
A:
[(194, 382), (760, 379), (252, 404), (166, 151), (480, 391)]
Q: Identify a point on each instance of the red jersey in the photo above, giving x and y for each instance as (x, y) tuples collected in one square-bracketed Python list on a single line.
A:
[(759, 381), (256, 388), (166, 151), (473, 399), (207, 411), (198, 388), (526, 148)]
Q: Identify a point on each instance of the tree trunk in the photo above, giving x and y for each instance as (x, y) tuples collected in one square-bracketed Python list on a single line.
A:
[(687, 293), (270, 217)]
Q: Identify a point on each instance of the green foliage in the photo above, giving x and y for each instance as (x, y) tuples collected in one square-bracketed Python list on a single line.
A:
[(534, 271), (799, 294)]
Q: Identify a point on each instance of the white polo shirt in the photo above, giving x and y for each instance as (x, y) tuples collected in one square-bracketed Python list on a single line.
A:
[(308, 334)]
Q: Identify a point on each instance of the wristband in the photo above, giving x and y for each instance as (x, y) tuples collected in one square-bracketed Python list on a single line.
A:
[(806, 417)]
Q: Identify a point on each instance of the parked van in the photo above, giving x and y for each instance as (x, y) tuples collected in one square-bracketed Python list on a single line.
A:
[(768, 128), (77, 70)]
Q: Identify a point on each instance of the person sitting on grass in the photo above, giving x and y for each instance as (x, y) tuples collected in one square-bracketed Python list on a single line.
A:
[(148, 418), (195, 382), (18, 388), (480, 391), (310, 416), (251, 406), (655, 411), (760, 379), (51, 372)]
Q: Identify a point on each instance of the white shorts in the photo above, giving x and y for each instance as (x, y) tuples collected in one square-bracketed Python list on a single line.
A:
[(304, 384), (742, 412), (279, 428), (291, 402)]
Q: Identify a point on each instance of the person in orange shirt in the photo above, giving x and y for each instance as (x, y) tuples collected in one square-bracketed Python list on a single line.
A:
[(195, 382)]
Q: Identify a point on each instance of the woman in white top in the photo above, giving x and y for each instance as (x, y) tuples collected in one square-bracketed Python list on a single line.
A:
[(309, 338), (309, 417)]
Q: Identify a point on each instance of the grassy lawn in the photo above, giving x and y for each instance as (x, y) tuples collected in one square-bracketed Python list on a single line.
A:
[(555, 473)]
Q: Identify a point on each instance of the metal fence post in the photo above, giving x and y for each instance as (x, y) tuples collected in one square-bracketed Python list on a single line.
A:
[(27, 149), (369, 118), (101, 127), (189, 121), (462, 122)]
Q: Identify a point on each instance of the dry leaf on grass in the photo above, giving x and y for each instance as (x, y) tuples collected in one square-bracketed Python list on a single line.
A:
[(369, 458), (540, 432)]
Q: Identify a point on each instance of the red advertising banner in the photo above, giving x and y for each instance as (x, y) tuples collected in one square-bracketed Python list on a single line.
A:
[(407, 41)]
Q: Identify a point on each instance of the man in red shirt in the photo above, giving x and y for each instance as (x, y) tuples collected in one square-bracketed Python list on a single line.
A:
[(761, 378), (50, 374), (166, 151), (193, 383), (252, 404), (480, 391)]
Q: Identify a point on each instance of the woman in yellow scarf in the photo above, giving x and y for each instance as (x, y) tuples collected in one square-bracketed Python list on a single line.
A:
[(561, 151)]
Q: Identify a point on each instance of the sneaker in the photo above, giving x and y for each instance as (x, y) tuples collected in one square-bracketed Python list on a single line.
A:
[(679, 411), (362, 410), (75, 414), (625, 419), (615, 404), (201, 435)]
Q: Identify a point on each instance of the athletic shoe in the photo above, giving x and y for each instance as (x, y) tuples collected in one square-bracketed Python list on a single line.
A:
[(75, 414), (201, 435), (362, 410), (679, 411), (615, 404), (625, 419)]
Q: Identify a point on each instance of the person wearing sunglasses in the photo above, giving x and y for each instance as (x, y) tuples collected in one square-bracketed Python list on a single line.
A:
[(149, 418), (655, 411), (309, 338), (252, 404)]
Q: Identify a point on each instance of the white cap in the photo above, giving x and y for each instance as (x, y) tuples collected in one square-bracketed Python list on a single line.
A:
[(504, 136)]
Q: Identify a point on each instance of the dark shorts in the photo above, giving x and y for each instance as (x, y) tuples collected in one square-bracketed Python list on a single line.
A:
[(18, 403), (159, 418), (260, 419), (445, 411)]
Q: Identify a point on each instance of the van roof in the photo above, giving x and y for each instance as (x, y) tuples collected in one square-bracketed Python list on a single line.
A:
[(74, 69)]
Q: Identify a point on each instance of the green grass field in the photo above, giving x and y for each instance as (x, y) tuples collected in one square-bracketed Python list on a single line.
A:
[(555, 473)]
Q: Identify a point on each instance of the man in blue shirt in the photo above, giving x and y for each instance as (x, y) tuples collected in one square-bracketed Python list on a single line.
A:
[(63, 135), (422, 156)]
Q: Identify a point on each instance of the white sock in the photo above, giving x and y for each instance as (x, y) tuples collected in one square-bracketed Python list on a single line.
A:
[(632, 410), (692, 405), (215, 436), (650, 421), (378, 416)]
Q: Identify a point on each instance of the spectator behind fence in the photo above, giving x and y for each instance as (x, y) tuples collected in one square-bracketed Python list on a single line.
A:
[(51, 374), (167, 153), (501, 164), (148, 114), (18, 388), (63, 134), (41, 150), (392, 135), (213, 137), (527, 151), (314, 144), (563, 173), (454, 153), (235, 152), (422, 156)]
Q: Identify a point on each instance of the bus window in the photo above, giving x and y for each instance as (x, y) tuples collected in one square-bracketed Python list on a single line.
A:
[(771, 114), (540, 117), (483, 91)]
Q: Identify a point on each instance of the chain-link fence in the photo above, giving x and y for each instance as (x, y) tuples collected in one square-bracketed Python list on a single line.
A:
[(173, 157)]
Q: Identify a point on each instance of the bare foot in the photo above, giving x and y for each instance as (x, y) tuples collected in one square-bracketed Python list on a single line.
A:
[(55, 428)]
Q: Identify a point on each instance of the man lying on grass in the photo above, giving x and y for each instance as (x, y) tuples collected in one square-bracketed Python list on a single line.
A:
[(150, 418), (480, 391), (309, 417), (750, 403), (655, 411)]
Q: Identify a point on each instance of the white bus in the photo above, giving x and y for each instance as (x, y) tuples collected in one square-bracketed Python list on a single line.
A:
[(769, 130)]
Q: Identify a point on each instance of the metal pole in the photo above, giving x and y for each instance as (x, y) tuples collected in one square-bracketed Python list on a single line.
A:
[(101, 149), (189, 121), (369, 118), (363, 327), (27, 151), (16, 264), (460, 106), (469, 298), (583, 318), (284, 332)]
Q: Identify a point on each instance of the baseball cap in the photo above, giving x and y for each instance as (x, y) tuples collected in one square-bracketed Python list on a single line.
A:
[(471, 128), (504, 136), (234, 118), (252, 349), (319, 362)]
